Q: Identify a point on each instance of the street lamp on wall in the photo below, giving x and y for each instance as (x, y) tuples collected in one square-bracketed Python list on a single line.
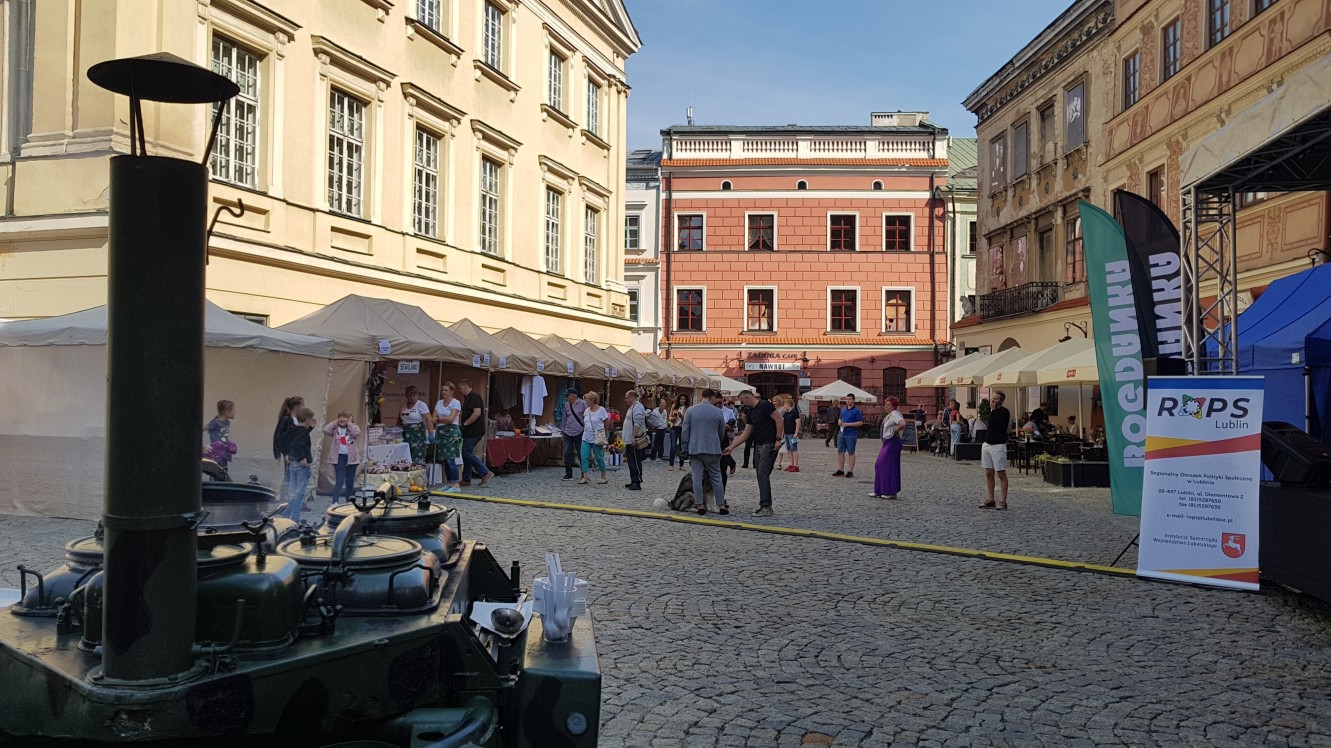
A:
[(1067, 331)]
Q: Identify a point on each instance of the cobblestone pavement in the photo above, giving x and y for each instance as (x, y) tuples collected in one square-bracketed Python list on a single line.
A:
[(721, 637)]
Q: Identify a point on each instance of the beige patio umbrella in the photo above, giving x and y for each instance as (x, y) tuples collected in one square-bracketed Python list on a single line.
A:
[(972, 374), (929, 378)]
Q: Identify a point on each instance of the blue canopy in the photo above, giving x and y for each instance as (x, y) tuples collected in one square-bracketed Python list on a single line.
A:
[(1273, 341), (1318, 344)]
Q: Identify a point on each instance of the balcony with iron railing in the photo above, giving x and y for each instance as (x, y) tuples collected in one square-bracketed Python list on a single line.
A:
[(1024, 299)]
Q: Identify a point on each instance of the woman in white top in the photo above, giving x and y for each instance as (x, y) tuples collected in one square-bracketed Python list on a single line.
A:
[(448, 435), (414, 419), (887, 470), (595, 435)]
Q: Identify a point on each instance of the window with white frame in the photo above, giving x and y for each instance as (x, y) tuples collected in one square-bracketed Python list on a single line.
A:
[(762, 232), (554, 220), (896, 233), (430, 13), (898, 305), (346, 152), (591, 220), (633, 304), (690, 309), (633, 231), (843, 310), (425, 184), (554, 94), (492, 36), (842, 232), (760, 310), (593, 107), (235, 156), (490, 206), (689, 235)]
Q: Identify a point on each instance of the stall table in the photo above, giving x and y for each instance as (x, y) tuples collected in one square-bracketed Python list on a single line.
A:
[(387, 454), (501, 450)]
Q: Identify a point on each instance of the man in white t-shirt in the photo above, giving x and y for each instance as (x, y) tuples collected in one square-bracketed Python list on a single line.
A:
[(635, 430)]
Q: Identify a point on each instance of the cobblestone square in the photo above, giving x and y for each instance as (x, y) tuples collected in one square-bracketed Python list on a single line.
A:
[(714, 636)]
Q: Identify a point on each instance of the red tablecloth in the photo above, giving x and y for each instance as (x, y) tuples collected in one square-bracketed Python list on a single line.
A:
[(502, 450)]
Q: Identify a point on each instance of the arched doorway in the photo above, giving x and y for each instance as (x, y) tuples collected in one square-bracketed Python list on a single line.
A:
[(1007, 344), (769, 383)]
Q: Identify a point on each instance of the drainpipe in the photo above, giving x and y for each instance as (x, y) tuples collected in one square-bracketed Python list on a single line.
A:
[(933, 271), (952, 281), (667, 246)]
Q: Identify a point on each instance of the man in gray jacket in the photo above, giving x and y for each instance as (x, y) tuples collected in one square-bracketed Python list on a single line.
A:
[(704, 434)]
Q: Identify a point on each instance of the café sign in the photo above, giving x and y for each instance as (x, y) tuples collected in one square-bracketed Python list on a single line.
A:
[(771, 365)]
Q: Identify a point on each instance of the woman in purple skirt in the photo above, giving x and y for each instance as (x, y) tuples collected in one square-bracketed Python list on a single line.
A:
[(887, 470)]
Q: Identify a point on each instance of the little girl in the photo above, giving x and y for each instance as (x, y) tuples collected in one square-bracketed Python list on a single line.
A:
[(345, 455), (220, 447)]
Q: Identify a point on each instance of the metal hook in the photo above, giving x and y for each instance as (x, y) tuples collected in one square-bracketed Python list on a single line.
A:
[(236, 212)]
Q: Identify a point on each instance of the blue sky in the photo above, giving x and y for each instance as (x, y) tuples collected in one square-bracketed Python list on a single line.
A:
[(819, 62)]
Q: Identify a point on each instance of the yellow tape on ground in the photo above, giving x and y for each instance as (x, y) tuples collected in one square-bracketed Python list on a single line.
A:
[(904, 545)]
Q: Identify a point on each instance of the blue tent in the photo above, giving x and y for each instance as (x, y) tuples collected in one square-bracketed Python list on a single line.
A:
[(1318, 345), (1273, 335)]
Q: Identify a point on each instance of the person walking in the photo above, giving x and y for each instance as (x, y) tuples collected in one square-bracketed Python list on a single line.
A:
[(790, 417), (636, 440), (677, 445), (829, 417), (574, 409), (993, 455), (595, 435), (473, 430), (887, 470), (344, 456), (286, 421), (704, 434), (765, 427), (299, 455), (954, 426), (850, 420), (448, 436)]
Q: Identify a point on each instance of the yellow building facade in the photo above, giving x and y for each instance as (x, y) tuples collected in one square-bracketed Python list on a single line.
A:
[(466, 156), (1181, 70)]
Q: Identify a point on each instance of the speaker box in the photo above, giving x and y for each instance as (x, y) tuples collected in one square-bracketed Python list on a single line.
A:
[(1295, 458)]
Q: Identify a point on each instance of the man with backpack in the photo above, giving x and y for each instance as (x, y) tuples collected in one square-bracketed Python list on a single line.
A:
[(574, 409)]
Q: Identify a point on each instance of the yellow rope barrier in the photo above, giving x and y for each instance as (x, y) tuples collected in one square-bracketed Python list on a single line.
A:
[(905, 545)]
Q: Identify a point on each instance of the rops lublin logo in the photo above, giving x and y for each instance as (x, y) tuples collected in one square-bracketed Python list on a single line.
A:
[(1192, 406), (1226, 412)]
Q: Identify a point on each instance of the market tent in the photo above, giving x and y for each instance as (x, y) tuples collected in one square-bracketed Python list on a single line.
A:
[(711, 378), (972, 374), (368, 329), (681, 376), (504, 357), (1272, 335), (1079, 368), (53, 383), (929, 378), (548, 360), (648, 373), (585, 365), (726, 384), (836, 391), (1024, 371)]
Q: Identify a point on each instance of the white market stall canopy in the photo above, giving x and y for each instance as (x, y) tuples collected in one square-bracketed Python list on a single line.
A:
[(725, 384), (368, 329), (836, 391), (503, 357), (53, 383), (972, 374), (1023, 372), (1079, 368), (548, 360), (930, 377)]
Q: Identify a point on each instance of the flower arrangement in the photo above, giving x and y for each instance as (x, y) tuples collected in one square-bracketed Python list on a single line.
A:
[(374, 388), (615, 447)]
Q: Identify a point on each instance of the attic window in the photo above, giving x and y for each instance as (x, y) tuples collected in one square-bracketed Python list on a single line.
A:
[(801, 185), (878, 184), (726, 185)]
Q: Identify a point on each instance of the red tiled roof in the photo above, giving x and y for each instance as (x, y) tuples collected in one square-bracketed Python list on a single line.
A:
[(849, 341), (935, 162)]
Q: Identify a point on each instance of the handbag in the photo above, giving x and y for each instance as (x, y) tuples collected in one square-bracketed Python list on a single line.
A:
[(598, 437), (642, 441)]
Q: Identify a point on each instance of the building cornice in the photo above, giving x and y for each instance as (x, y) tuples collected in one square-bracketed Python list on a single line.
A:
[(1068, 34)]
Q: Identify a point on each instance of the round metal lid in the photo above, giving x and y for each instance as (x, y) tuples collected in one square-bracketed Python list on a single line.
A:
[(366, 550), (89, 551), (397, 511), (222, 555), (163, 77), (85, 551)]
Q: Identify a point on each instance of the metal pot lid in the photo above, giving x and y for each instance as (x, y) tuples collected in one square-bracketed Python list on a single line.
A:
[(363, 551), (85, 551), (222, 555), (398, 511)]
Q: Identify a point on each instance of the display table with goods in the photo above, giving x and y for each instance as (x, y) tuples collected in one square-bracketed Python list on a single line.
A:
[(505, 447), (388, 453), (407, 476)]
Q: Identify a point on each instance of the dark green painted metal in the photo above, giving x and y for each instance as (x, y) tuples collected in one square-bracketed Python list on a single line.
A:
[(155, 280)]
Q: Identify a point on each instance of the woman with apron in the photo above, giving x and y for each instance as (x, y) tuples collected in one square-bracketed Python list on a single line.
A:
[(448, 436), (413, 419)]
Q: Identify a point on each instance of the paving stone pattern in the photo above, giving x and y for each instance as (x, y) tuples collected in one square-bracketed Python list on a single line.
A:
[(722, 637)]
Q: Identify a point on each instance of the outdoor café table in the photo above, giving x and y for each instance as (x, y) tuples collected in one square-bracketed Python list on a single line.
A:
[(501, 450)]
